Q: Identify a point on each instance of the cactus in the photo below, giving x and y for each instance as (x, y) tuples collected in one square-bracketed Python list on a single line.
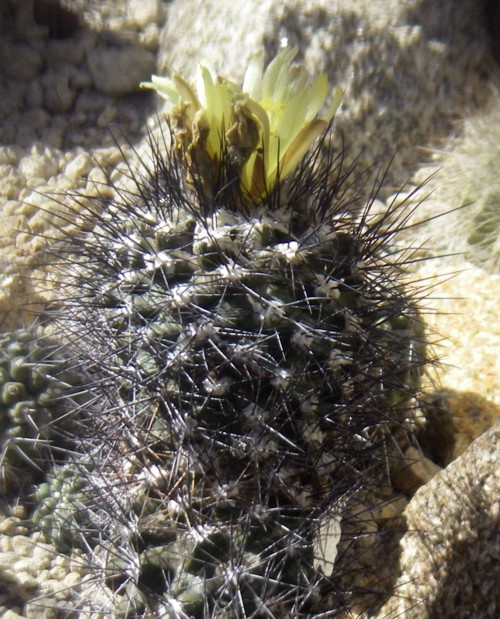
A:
[(35, 381), (62, 511), (253, 346)]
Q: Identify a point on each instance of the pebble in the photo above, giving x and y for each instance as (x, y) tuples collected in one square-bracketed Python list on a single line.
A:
[(12, 527), (44, 609), (6, 573), (12, 184), (34, 95), (416, 471), (80, 78), (38, 166), (72, 579), (149, 37), (140, 14), (107, 117), (32, 568), (27, 582), (10, 155), (69, 51), (35, 119), (58, 96), (5, 543), (21, 62), (9, 614), (25, 566), (42, 554), (22, 545), (78, 167), (98, 186)]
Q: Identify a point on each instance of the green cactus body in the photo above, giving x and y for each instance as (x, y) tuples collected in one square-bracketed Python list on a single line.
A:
[(249, 362), (61, 511), (34, 379)]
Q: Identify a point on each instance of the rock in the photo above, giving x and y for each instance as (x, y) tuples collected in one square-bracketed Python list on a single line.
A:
[(455, 419), (35, 119), (41, 163), (415, 471), (65, 52), (10, 614), (119, 71), (58, 96), (464, 317), (21, 61), (224, 33), (78, 167), (140, 14), (149, 37), (450, 555)]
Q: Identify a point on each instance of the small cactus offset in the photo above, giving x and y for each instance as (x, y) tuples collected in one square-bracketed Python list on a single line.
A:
[(35, 380), (253, 347), (64, 506)]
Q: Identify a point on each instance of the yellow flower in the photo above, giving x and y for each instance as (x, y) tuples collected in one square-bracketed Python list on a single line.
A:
[(261, 130)]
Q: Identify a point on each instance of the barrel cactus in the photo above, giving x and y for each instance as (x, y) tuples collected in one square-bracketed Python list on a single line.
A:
[(253, 348)]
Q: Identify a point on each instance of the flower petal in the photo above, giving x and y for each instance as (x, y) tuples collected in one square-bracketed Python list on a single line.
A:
[(297, 149), (267, 125), (164, 86), (186, 91), (317, 96), (334, 105), (252, 82), (276, 72)]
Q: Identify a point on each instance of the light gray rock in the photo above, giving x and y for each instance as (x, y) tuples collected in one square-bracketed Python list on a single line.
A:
[(225, 33), (41, 163), (119, 71), (141, 14)]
